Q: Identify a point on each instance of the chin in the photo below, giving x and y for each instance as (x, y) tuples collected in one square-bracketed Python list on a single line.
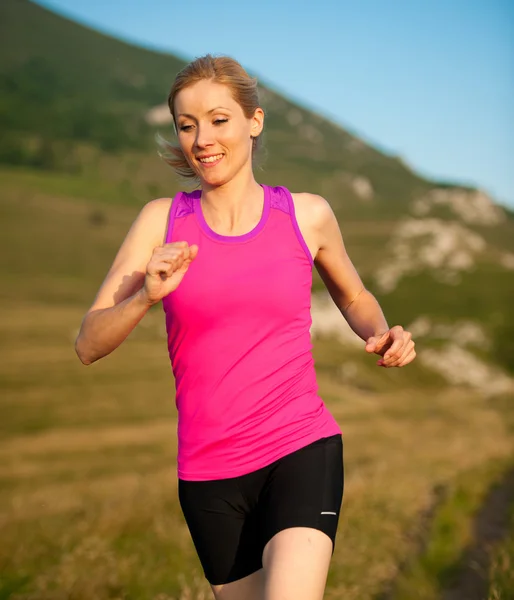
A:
[(216, 180)]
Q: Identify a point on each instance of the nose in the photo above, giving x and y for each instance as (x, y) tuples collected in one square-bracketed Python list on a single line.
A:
[(204, 136)]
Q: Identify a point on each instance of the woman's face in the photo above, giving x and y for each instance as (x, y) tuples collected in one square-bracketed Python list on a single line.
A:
[(213, 132)]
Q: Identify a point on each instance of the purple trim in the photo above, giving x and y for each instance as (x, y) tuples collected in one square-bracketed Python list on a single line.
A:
[(232, 238), (186, 205), (295, 225), (171, 217), (279, 200)]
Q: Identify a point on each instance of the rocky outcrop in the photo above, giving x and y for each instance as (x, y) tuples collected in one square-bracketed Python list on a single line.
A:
[(463, 333), (455, 360), (474, 207), (446, 248), (362, 187), (159, 115), (507, 260), (460, 367)]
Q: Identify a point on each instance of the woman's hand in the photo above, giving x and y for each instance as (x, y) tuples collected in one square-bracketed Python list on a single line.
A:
[(166, 269), (395, 346)]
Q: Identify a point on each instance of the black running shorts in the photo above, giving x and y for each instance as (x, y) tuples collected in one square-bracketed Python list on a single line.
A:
[(231, 520)]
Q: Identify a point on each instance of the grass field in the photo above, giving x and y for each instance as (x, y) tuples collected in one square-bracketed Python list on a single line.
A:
[(88, 504)]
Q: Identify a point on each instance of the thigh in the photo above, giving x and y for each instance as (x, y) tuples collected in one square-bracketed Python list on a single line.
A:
[(224, 532), (250, 587), (304, 489), (300, 508), (296, 563)]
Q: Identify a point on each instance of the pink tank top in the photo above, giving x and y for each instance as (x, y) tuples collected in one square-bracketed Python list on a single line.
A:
[(239, 343)]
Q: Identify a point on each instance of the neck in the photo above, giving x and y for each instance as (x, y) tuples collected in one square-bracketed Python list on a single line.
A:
[(234, 205)]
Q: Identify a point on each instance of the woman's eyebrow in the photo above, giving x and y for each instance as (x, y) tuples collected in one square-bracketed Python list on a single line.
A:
[(208, 112)]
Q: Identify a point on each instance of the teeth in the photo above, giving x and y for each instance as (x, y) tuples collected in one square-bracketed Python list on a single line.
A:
[(211, 158)]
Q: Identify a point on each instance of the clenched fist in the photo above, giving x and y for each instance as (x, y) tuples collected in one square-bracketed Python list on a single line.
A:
[(395, 346), (166, 268)]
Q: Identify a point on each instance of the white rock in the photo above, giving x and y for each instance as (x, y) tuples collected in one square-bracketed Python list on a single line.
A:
[(446, 248), (328, 321), (159, 115), (355, 145), (507, 261), (363, 188), (421, 207), (310, 133), (459, 366), (420, 327), (294, 116), (462, 333), (472, 206)]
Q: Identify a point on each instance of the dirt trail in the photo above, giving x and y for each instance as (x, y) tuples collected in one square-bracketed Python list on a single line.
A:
[(418, 540), (490, 527)]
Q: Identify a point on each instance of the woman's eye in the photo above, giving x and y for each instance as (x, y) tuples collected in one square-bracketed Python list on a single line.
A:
[(185, 127), (220, 121)]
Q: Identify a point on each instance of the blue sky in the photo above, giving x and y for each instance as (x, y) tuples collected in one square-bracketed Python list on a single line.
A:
[(431, 81)]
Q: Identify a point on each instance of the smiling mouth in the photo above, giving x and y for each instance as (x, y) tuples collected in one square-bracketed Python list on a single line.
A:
[(210, 159)]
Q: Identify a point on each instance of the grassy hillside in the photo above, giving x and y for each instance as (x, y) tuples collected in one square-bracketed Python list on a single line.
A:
[(89, 506), (63, 83)]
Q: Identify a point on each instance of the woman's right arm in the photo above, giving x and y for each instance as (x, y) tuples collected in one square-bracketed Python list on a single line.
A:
[(144, 271)]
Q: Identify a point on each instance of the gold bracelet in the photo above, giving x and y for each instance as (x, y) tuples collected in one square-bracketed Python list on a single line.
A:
[(347, 307)]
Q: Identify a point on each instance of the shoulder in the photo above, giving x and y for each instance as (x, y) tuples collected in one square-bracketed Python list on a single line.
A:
[(155, 211), (312, 208), (152, 220), (156, 207)]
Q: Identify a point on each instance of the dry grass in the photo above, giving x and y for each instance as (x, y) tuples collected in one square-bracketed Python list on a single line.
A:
[(502, 568), (89, 506)]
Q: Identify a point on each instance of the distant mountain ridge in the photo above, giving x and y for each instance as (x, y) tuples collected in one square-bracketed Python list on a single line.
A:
[(73, 99)]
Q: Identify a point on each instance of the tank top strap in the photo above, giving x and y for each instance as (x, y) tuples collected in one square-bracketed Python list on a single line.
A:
[(281, 199), (181, 206)]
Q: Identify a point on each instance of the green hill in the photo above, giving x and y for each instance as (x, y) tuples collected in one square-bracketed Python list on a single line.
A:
[(74, 111), (63, 82)]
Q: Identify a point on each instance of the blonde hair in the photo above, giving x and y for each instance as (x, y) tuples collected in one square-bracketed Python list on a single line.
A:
[(219, 69)]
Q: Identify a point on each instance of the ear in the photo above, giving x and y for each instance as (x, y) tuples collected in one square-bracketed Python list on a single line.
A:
[(257, 122)]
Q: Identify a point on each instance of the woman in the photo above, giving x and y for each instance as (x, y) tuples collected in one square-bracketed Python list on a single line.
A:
[(260, 457)]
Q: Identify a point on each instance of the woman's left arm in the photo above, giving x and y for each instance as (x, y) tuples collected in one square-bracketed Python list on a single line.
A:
[(358, 305)]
